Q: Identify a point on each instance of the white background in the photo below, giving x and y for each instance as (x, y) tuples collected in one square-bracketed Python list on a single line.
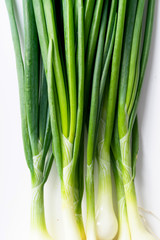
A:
[(14, 175)]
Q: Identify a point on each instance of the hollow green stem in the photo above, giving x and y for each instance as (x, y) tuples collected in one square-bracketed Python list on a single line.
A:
[(91, 48), (134, 90), (21, 82), (81, 74), (70, 62), (43, 104), (123, 82), (95, 88), (89, 8), (110, 28), (144, 56), (57, 65), (115, 72), (31, 73), (107, 62), (53, 113), (135, 50), (41, 29)]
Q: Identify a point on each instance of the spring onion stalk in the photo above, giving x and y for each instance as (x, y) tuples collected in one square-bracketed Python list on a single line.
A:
[(78, 152), (106, 227), (111, 20), (70, 63), (38, 154), (92, 230), (105, 185), (91, 47), (106, 221), (89, 8), (126, 114), (124, 230), (106, 66), (57, 65), (76, 122), (66, 140)]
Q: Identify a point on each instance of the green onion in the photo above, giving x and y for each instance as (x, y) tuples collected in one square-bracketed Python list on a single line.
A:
[(126, 110), (33, 140), (105, 204), (65, 143), (91, 226), (83, 69)]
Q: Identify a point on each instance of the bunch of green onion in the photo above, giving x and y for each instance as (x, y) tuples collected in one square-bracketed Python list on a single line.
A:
[(82, 69)]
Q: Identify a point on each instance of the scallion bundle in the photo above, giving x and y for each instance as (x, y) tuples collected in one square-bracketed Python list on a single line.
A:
[(83, 69)]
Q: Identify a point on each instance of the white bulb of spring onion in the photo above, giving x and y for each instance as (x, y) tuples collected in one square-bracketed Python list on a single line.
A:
[(107, 225), (106, 220)]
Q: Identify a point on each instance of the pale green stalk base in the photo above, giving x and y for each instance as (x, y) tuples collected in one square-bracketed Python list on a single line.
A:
[(79, 221), (91, 224), (106, 221), (72, 231), (137, 229), (38, 225), (123, 231), (69, 194)]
